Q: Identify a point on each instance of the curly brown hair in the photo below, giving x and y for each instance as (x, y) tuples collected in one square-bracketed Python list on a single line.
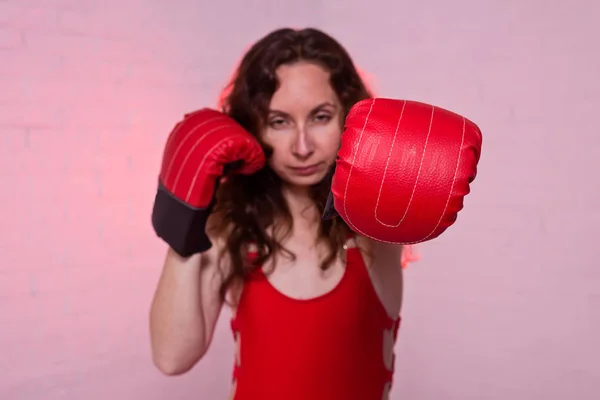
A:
[(247, 206)]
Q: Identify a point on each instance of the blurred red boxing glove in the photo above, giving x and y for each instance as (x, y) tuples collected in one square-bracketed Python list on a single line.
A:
[(403, 170), (199, 151)]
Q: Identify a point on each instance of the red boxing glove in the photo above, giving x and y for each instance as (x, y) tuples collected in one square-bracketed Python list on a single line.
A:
[(403, 170), (199, 151)]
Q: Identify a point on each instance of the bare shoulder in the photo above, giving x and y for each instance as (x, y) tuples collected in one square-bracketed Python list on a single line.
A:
[(384, 264)]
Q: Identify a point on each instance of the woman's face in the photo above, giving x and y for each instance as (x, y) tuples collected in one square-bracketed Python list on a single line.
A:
[(304, 124)]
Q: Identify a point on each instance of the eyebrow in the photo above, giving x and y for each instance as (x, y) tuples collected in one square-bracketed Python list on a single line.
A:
[(314, 110)]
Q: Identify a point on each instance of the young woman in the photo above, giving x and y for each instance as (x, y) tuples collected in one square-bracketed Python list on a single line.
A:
[(315, 305)]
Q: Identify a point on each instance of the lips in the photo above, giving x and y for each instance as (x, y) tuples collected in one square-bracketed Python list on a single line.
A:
[(306, 170)]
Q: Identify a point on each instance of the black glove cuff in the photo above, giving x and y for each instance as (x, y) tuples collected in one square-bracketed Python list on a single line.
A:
[(330, 211), (179, 224)]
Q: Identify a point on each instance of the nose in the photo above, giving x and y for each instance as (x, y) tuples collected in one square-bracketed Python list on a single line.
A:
[(303, 146)]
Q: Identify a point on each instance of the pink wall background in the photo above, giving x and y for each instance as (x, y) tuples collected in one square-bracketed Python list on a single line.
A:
[(504, 305)]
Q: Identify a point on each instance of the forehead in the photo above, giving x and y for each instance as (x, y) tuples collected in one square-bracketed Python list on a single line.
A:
[(302, 87)]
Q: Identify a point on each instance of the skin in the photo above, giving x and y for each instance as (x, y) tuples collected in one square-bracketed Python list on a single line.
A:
[(304, 129)]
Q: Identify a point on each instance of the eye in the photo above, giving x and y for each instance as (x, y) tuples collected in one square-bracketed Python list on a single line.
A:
[(276, 123), (322, 118)]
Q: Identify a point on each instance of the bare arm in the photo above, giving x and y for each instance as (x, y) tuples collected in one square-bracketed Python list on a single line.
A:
[(185, 310), (384, 262)]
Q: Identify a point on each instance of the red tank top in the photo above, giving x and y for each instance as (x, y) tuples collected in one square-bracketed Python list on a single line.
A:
[(326, 348)]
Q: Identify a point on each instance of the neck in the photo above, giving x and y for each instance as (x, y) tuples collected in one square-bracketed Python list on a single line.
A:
[(303, 209)]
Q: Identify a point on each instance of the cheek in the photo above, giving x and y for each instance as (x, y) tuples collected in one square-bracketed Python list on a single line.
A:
[(330, 142), (278, 144)]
